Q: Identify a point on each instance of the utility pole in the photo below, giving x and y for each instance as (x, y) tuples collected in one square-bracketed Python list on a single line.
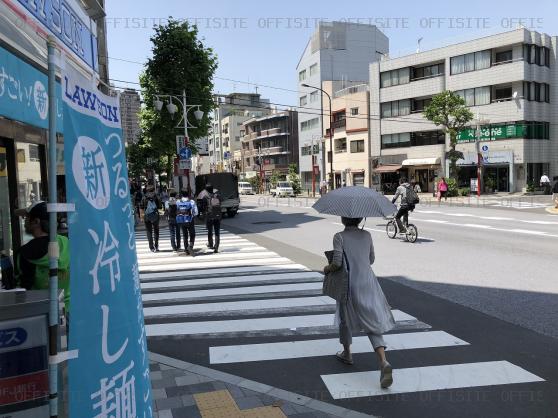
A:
[(477, 149)]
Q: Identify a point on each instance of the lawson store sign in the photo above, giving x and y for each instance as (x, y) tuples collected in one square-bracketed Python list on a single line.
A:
[(62, 19)]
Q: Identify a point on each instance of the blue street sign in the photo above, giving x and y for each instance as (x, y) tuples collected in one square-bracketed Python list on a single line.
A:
[(185, 153), (485, 148)]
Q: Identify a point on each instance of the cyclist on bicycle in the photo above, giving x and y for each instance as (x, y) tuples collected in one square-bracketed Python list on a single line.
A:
[(404, 190)]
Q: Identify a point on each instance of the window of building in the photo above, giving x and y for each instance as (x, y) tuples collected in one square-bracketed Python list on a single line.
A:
[(539, 92), (395, 77), (534, 54), (310, 124), (428, 71), (475, 97), (418, 105), (340, 145), (396, 108), (502, 93), (314, 96), (302, 75), (313, 69), (414, 139), (503, 57), (396, 140), (357, 146), (470, 62), (303, 100), (354, 111)]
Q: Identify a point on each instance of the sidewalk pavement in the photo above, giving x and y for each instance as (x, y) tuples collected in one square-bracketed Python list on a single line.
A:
[(185, 390)]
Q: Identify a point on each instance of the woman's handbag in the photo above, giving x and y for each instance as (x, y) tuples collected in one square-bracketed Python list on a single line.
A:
[(336, 283)]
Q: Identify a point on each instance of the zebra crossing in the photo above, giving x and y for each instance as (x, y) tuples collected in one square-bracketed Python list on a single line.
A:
[(246, 292)]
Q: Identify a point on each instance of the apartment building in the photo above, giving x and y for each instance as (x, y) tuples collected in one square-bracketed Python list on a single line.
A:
[(130, 104), (350, 136), (271, 140), (507, 79), (231, 112), (340, 52)]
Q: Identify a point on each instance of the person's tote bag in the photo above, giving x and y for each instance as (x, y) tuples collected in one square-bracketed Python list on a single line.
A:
[(336, 283)]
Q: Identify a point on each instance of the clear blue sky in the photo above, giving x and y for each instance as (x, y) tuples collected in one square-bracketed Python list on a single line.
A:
[(261, 41)]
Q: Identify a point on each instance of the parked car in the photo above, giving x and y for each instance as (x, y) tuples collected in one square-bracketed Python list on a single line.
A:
[(283, 189), (245, 188), (227, 185)]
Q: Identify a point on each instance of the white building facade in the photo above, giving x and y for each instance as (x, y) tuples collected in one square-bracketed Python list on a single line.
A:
[(340, 52), (507, 80)]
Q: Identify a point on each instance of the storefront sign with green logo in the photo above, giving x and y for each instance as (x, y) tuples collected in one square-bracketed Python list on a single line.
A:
[(493, 133)]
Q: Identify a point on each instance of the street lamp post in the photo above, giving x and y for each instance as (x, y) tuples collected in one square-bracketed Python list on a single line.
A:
[(172, 109), (330, 132)]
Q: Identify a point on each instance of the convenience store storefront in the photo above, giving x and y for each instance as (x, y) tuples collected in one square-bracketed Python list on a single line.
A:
[(23, 139)]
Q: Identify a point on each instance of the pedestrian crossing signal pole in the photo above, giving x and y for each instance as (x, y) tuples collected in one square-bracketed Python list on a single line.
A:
[(479, 155)]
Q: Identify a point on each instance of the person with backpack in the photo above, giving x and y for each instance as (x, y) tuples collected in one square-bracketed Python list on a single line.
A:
[(409, 199), (212, 208), (171, 212), (186, 211), (151, 205)]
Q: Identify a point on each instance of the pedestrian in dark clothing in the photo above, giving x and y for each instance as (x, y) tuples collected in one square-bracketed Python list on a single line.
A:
[(186, 213), (211, 201), (171, 211), (151, 205)]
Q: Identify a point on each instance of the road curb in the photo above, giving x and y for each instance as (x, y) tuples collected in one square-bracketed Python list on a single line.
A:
[(258, 387)]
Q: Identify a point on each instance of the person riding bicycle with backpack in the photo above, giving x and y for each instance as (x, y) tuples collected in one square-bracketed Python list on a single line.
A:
[(409, 199)]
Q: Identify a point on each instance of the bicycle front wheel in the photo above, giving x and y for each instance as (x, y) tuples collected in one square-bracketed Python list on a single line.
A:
[(391, 229), (412, 233)]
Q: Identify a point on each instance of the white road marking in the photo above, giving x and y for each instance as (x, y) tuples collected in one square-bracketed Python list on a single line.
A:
[(419, 379), (435, 221), (232, 279), (251, 290), (525, 231), (216, 257), (478, 226), (260, 305), (327, 347), (281, 266), (178, 268), (254, 324)]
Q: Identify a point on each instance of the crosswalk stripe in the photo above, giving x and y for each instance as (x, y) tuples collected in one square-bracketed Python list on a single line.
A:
[(232, 280), (246, 305), (253, 324), (420, 379), (234, 291), (217, 257), (216, 272), (218, 263), (222, 250), (327, 347)]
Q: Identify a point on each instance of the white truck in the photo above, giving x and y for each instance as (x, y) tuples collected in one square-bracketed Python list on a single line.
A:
[(283, 189)]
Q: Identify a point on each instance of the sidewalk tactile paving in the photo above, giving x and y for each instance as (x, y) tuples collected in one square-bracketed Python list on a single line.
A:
[(211, 400)]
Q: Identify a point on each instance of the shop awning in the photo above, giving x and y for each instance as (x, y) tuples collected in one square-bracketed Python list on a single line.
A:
[(422, 161), (387, 168)]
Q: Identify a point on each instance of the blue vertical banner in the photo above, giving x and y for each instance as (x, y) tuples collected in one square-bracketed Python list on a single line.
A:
[(110, 376)]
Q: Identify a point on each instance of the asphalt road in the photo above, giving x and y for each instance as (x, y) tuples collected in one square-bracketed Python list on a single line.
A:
[(474, 301), (501, 262)]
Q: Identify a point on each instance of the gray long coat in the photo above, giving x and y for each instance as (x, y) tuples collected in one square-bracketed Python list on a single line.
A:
[(367, 307)]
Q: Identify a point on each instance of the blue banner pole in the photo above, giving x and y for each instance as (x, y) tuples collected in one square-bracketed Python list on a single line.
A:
[(53, 249)]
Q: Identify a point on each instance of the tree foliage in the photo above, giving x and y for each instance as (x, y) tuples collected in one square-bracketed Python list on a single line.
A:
[(294, 179), (180, 62), (448, 110)]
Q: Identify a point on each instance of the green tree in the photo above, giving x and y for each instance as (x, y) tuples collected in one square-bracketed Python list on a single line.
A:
[(274, 179), (448, 110), (294, 179), (180, 62)]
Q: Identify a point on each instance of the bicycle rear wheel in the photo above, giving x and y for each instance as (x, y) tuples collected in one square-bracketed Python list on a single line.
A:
[(412, 233), (391, 229)]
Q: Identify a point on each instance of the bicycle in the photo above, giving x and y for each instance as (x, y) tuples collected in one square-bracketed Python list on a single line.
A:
[(392, 230)]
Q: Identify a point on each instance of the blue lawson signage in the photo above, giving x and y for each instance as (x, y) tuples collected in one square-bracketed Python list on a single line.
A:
[(110, 376), (23, 92), (63, 22)]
